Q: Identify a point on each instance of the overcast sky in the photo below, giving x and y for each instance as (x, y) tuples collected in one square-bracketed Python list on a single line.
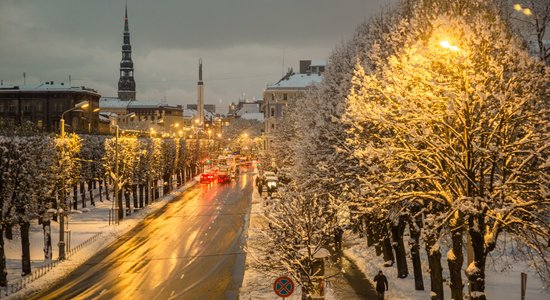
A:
[(241, 42)]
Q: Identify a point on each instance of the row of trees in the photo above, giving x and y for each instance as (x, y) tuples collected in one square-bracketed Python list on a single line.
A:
[(434, 117), (38, 173)]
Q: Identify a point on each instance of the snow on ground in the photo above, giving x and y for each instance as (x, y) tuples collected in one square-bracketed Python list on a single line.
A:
[(82, 225), (257, 285), (499, 285)]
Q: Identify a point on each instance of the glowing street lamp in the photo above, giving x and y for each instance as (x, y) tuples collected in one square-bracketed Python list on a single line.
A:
[(79, 105), (447, 45)]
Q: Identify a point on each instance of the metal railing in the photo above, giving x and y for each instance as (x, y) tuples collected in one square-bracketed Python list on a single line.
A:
[(21, 283)]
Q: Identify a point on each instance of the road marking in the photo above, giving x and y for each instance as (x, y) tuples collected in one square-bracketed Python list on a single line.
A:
[(181, 277), (103, 292), (172, 293)]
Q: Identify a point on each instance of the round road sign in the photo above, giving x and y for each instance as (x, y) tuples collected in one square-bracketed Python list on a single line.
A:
[(283, 286)]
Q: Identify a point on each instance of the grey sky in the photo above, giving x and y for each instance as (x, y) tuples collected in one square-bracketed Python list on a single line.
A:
[(241, 42)]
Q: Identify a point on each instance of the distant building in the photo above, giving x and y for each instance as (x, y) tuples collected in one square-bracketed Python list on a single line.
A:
[(245, 107), (162, 118), (211, 108), (292, 87), (44, 104)]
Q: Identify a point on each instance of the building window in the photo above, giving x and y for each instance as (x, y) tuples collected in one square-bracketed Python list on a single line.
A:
[(273, 112), (272, 126), (285, 97), (273, 97)]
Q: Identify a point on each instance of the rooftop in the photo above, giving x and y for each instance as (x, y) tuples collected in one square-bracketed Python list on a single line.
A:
[(297, 81)]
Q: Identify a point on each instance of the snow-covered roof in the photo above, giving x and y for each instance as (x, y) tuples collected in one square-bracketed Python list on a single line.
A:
[(191, 113), (110, 102), (48, 86), (297, 81), (318, 63), (253, 116)]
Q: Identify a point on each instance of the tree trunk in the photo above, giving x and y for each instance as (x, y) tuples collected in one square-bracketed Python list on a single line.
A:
[(91, 184), (3, 270), (387, 252), (476, 270), (178, 178), (106, 183), (434, 262), (47, 229), (135, 196), (127, 201), (414, 230), (83, 193), (455, 259), (156, 188), (120, 205), (25, 249), (399, 248), (148, 192), (9, 232), (75, 196), (141, 188), (100, 185)]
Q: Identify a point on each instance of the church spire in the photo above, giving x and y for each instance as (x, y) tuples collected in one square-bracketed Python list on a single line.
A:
[(126, 82)]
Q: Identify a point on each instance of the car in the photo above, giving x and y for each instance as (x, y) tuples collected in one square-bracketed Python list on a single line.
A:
[(207, 177)]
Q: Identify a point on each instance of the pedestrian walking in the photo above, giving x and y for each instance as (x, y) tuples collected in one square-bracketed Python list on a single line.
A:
[(381, 284), (260, 184)]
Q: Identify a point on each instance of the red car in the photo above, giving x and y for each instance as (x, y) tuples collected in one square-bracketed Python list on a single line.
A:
[(207, 177)]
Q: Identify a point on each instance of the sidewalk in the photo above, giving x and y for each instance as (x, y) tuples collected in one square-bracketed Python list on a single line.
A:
[(89, 232), (346, 280)]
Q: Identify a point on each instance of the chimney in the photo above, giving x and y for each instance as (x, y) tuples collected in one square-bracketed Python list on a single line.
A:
[(304, 66)]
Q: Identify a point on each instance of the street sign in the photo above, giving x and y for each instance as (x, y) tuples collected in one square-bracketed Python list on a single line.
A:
[(283, 286)]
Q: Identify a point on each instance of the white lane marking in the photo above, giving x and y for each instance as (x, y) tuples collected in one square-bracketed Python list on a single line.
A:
[(103, 292), (172, 293), (181, 277)]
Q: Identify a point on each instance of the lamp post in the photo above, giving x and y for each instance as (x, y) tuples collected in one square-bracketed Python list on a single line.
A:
[(60, 211), (82, 104), (116, 179)]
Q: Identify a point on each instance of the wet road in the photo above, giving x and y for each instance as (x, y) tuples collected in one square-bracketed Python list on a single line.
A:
[(190, 249)]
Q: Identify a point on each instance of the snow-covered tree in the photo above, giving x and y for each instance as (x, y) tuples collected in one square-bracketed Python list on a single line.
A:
[(456, 121), (168, 158), (127, 159), (297, 234)]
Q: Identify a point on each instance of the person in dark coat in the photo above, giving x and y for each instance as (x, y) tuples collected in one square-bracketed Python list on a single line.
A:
[(381, 284), (260, 184)]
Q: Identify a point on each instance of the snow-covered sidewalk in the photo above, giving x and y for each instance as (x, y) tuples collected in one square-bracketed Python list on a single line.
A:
[(499, 284), (89, 232), (258, 285)]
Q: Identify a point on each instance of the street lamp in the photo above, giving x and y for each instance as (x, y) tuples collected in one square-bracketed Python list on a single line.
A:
[(116, 179), (60, 212), (82, 104)]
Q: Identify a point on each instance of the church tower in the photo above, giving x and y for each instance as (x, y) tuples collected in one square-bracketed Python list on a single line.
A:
[(200, 95), (126, 83)]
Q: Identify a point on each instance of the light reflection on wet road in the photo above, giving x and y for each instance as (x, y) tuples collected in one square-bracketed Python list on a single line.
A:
[(190, 249)]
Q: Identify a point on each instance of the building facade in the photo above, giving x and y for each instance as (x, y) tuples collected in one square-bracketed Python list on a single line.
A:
[(150, 116), (292, 87), (44, 104)]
